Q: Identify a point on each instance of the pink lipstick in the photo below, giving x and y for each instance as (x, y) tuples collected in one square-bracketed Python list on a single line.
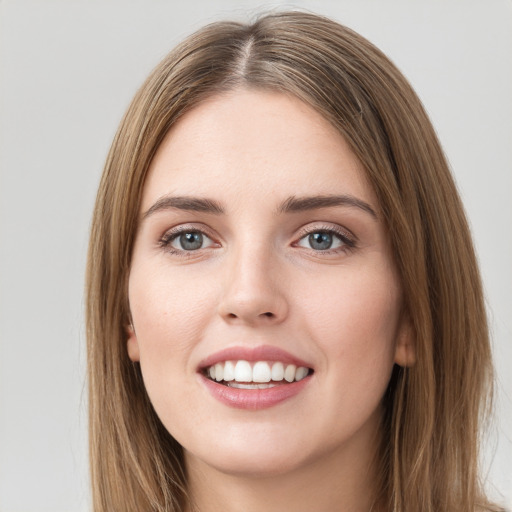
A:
[(254, 378)]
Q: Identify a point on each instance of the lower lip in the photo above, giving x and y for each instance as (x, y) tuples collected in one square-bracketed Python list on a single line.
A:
[(254, 398)]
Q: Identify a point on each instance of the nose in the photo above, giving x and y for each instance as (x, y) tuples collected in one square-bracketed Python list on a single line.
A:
[(253, 293)]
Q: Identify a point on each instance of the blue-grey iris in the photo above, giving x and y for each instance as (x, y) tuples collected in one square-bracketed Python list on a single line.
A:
[(191, 241), (320, 241)]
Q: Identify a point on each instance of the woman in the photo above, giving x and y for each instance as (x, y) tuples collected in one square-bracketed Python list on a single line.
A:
[(284, 308)]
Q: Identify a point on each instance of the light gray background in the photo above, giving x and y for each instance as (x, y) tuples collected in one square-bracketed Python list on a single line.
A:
[(67, 72)]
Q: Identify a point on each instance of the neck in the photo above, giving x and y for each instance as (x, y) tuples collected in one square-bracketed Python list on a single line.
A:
[(343, 480)]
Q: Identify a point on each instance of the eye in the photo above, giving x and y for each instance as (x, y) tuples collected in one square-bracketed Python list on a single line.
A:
[(325, 240), (186, 240), (320, 241)]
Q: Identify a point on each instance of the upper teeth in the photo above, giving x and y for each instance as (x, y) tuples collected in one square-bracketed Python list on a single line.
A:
[(260, 371)]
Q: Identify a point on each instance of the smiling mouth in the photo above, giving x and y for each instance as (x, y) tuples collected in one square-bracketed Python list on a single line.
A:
[(242, 374)]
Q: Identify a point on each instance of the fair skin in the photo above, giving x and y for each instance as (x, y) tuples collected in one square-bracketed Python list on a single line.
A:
[(253, 268)]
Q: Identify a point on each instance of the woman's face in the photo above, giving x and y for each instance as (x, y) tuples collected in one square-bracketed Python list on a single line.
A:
[(262, 258)]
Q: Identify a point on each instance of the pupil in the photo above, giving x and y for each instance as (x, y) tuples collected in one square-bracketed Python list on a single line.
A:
[(191, 241), (320, 241)]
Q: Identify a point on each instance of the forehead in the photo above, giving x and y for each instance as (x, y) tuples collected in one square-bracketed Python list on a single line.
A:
[(260, 143)]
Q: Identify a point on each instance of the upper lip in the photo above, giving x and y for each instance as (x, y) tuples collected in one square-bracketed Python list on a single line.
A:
[(252, 354)]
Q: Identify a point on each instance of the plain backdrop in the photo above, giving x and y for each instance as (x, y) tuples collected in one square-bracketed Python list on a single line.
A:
[(68, 70)]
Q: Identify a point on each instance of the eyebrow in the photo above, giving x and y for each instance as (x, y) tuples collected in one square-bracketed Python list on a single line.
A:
[(194, 204), (291, 205), (298, 204)]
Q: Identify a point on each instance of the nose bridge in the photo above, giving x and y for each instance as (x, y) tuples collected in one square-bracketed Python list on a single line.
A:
[(252, 289)]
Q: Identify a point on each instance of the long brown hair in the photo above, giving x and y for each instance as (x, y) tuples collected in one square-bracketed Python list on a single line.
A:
[(432, 410)]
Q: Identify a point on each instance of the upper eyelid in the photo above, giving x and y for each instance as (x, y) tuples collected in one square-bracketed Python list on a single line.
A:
[(332, 228), (183, 228)]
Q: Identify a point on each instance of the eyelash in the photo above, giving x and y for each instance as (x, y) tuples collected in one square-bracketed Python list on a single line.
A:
[(173, 234), (348, 241)]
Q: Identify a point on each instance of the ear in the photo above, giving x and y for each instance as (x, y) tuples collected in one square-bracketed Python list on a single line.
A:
[(132, 344), (405, 349)]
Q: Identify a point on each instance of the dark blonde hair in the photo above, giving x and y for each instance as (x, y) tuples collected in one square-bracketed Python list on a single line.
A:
[(432, 410)]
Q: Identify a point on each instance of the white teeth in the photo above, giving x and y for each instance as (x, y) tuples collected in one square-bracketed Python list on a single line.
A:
[(300, 373), (261, 373), (289, 373), (278, 371), (243, 372), (241, 385), (229, 371), (219, 372)]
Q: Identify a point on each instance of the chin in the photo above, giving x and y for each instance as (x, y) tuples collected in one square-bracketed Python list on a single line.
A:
[(256, 453), (262, 464)]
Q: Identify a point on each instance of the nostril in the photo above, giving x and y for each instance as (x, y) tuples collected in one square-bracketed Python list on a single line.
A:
[(268, 314)]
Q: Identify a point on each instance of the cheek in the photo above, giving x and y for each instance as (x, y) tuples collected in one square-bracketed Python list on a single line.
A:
[(356, 324), (168, 313)]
